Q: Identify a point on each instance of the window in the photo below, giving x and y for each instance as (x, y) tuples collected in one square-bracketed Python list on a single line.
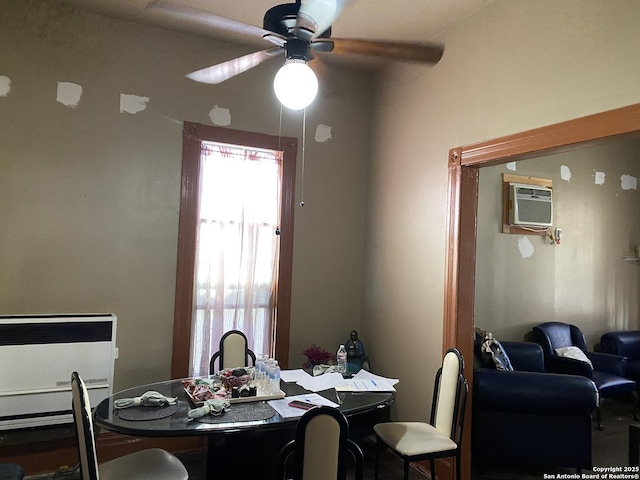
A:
[(234, 245)]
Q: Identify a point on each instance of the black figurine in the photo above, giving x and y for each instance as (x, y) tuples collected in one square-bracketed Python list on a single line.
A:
[(356, 357)]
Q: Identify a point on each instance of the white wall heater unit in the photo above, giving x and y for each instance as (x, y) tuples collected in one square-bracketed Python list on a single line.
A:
[(530, 205), (38, 354)]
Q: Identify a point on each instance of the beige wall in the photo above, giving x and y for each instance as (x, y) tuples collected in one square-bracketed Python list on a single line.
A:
[(512, 66), (90, 195), (525, 280)]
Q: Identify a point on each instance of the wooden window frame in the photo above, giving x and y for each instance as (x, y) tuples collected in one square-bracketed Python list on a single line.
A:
[(193, 136)]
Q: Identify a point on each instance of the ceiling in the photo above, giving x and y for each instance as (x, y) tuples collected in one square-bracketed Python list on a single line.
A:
[(406, 20)]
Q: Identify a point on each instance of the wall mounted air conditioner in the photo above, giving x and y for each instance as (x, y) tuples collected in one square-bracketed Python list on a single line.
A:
[(38, 354), (530, 205)]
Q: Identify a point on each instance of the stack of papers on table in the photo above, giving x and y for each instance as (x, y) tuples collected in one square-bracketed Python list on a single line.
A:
[(362, 381), (294, 375), (283, 408)]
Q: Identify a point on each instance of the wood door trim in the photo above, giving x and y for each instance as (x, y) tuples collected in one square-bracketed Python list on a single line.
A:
[(463, 165)]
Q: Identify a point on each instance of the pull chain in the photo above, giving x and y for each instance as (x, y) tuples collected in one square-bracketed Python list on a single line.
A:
[(304, 138), (280, 129)]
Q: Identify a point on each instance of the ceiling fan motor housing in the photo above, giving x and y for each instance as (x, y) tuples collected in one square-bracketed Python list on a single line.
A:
[(283, 19), (299, 49)]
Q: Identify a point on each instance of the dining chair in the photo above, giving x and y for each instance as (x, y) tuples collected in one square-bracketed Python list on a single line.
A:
[(321, 448), (413, 441), (233, 351), (151, 464)]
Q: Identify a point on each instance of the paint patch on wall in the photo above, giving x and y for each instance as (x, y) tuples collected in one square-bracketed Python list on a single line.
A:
[(600, 178), (220, 116), (629, 182), (526, 247), (565, 173), (69, 94), (132, 103), (5, 85), (323, 133), (511, 166)]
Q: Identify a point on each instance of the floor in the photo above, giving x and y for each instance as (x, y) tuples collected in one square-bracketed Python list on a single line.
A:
[(610, 448)]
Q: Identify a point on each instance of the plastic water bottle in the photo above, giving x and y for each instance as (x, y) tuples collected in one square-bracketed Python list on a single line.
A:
[(275, 378), (268, 370), (259, 371), (341, 357)]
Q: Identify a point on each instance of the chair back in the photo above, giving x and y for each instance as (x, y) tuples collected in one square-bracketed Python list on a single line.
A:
[(83, 421), (233, 351), (554, 335), (450, 396), (624, 343), (320, 447)]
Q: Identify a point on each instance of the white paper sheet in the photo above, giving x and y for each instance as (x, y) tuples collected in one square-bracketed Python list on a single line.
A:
[(355, 385), (322, 382), (282, 406), (364, 381), (294, 375), (363, 374)]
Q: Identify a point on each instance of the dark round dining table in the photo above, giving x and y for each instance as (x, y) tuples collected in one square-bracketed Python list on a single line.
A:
[(250, 434)]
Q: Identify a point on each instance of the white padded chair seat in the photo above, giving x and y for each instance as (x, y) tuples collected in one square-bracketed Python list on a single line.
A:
[(151, 464), (413, 438)]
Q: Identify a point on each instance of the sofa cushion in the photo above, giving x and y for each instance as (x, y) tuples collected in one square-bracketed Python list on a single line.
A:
[(524, 356), (575, 353), (610, 385)]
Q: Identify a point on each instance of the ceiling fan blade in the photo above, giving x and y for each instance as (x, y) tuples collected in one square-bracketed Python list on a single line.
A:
[(276, 39), (424, 52), (322, 45), (315, 17), (216, 22), (224, 71)]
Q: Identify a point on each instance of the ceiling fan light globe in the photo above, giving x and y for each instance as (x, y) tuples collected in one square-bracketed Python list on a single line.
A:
[(295, 84)]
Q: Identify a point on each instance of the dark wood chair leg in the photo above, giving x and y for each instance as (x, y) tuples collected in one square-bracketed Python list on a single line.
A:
[(406, 469), (432, 466), (634, 405)]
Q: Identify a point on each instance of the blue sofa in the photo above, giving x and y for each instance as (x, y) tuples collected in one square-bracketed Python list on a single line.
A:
[(529, 417), (626, 344)]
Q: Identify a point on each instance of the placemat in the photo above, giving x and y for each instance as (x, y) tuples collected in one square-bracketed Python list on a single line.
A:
[(241, 412), (136, 414)]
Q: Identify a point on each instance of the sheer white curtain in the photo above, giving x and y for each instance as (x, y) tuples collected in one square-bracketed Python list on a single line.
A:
[(237, 249)]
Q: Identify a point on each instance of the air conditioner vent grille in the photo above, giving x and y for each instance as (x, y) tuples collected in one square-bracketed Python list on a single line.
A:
[(530, 205)]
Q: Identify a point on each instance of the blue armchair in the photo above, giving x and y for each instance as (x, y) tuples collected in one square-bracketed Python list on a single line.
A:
[(608, 370), (626, 344), (530, 417)]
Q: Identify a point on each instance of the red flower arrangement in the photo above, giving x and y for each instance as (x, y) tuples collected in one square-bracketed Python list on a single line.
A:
[(316, 356)]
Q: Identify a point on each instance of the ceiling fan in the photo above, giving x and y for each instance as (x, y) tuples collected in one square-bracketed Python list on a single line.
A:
[(298, 30)]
